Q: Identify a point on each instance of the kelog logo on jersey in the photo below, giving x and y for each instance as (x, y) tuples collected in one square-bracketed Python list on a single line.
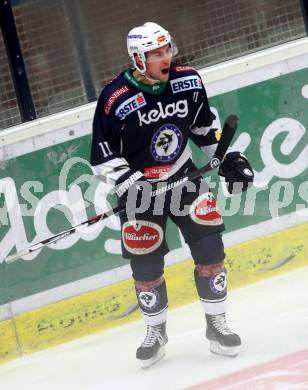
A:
[(180, 109), (166, 143), (141, 237), (130, 105), (205, 211), (186, 83)]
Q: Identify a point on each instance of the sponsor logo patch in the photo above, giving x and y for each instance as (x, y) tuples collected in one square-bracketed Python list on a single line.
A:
[(148, 299), (114, 97), (215, 162), (141, 237), (130, 105), (180, 109), (205, 211), (218, 283), (161, 39), (166, 143), (135, 36), (186, 83), (155, 172), (183, 68)]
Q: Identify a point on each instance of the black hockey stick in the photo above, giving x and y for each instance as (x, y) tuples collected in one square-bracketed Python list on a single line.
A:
[(227, 134)]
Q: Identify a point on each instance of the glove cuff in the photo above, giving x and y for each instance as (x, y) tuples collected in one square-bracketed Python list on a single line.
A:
[(126, 181), (237, 172)]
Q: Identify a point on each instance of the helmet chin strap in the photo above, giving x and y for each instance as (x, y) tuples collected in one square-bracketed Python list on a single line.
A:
[(148, 77), (145, 74)]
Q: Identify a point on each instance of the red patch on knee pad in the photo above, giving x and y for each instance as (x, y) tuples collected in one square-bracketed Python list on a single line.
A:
[(204, 210), (148, 286), (210, 270)]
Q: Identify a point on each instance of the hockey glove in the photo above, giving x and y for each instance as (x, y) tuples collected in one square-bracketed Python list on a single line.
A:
[(237, 172), (128, 180)]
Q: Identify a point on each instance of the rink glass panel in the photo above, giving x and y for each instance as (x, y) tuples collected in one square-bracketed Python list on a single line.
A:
[(72, 49), (278, 103), (50, 57), (9, 112), (206, 32)]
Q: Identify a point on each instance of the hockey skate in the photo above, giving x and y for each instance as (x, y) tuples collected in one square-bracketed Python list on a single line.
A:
[(153, 347), (222, 340)]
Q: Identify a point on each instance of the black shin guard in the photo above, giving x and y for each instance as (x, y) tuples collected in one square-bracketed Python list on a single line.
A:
[(211, 284), (153, 301)]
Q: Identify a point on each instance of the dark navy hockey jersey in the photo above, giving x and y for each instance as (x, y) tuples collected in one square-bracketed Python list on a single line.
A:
[(149, 126)]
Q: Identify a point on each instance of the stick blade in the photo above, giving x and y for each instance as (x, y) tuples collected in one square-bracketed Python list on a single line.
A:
[(12, 258)]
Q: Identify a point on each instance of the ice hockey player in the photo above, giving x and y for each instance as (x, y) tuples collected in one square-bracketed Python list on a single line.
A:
[(143, 121)]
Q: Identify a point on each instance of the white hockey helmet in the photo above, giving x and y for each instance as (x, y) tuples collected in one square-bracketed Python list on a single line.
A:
[(147, 37)]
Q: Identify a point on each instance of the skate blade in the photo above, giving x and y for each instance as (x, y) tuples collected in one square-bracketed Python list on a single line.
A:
[(219, 349), (150, 362)]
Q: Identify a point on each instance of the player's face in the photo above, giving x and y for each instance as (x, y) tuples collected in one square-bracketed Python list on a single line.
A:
[(158, 63)]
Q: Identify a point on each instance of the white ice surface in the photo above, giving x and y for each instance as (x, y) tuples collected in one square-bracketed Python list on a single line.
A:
[(271, 317)]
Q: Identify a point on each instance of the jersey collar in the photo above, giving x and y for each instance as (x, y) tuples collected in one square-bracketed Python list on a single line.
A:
[(155, 89)]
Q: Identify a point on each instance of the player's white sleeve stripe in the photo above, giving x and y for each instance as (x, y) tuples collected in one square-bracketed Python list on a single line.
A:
[(109, 177), (111, 164), (201, 130), (112, 177), (209, 150), (192, 125), (97, 169), (116, 162), (111, 170)]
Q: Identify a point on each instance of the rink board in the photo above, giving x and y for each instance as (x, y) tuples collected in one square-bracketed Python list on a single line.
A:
[(93, 312), (272, 105), (79, 284)]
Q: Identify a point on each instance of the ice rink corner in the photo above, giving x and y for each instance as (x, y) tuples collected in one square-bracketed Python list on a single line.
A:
[(271, 317)]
